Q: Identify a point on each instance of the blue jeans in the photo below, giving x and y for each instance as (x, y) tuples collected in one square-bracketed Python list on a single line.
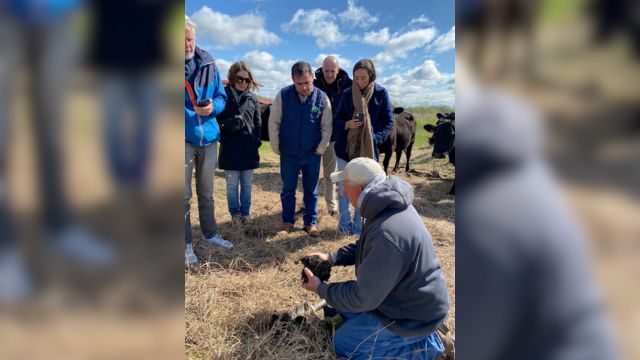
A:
[(239, 206), (363, 336), (345, 224), (129, 139), (290, 167)]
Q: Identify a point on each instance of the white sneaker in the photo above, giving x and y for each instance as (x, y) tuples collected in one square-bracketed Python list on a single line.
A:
[(190, 258), (217, 240), (84, 247), (15, 282)]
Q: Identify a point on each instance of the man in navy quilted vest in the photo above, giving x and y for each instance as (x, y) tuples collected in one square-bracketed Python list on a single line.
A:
[(300, 127)]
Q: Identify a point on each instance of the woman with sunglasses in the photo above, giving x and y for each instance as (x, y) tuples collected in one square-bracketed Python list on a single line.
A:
[(240, 128)]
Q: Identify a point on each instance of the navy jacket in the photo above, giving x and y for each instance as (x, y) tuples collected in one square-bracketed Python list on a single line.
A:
[(380, 110), (333, 91), (240, 128)]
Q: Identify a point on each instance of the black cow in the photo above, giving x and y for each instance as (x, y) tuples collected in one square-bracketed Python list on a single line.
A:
[(401, 138), (265, 111), (443, 139)]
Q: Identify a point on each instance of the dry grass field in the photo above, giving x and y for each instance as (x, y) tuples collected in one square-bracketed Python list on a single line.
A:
[(231, 295)]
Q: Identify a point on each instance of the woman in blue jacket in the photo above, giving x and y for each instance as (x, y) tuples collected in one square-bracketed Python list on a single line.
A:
[(240, 129), (363, 120)]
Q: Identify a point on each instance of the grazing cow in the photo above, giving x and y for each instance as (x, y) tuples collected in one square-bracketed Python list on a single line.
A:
[(443, 139), (400, 139), (265, 111)]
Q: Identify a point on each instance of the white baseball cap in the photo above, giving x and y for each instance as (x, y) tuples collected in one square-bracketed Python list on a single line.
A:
[(359, 171)]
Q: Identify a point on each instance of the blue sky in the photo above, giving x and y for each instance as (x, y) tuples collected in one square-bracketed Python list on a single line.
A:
[(410, 41)]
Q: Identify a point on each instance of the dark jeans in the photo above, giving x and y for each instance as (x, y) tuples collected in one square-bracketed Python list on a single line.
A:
[(129, 146), (204, 160), (47, 53), (290, 167)]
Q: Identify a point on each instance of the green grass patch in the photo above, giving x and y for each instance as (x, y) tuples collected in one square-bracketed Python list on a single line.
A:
[(555, 11), (425, 115)]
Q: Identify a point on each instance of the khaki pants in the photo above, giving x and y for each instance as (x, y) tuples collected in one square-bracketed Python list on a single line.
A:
[(328, 167)]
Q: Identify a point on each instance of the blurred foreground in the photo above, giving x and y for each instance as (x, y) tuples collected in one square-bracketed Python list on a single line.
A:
[(90, 187), (548, 200)]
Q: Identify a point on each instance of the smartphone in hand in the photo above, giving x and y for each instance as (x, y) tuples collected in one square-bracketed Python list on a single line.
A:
[(204, 102), (359, 116)]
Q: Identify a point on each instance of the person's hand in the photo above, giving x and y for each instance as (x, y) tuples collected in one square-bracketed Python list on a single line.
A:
[(204, 110), (322, 256), (353, 124), (313, 281)]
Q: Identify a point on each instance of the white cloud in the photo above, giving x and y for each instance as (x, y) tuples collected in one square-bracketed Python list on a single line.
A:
[(424, 84), (399, 46), (274, 74), (227, 31), (318, 23), (223, 67), (421, 20), (345, 63), (445, 42), (357, 16), (380, 37), (421, 85)]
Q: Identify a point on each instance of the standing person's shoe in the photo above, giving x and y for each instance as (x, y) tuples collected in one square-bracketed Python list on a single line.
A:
[(285, 228), (15, 282), (190, 258), (235, 220), (312, 230), (217, 240), (245, 220), (84, 247)]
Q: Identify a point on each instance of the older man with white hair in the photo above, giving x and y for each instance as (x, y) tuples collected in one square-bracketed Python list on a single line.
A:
[(400, 296), (331, 79), (205, 98)]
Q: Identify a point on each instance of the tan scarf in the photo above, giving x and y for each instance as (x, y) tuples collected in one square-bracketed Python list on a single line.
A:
[(360, 140)]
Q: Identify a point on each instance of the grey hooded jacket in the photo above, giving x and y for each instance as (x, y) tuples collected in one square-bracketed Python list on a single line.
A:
[(398, 273)]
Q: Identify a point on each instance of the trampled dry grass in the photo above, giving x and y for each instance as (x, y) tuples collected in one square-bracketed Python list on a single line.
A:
[(231, 294)]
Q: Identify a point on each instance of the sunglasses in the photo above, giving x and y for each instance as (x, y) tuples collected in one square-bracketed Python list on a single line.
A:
[(243, 79)]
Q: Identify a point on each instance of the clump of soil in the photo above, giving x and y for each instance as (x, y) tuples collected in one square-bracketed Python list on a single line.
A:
[(320, 268)]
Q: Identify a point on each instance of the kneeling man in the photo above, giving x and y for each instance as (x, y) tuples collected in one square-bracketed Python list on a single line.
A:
[(400, 296)]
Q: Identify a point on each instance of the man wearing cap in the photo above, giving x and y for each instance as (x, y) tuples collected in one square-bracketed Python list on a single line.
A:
[(400, 296)]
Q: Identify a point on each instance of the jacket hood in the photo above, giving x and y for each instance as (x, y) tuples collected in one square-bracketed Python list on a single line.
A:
[(341, 75), (494, 130), (391, 193), (203, 57)]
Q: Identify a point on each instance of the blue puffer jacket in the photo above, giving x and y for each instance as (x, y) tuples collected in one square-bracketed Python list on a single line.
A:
[(380, 110), (204, 130), (300, 131), (41, 11)]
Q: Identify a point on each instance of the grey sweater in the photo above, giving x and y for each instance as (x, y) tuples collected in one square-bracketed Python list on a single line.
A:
[(398, 273)]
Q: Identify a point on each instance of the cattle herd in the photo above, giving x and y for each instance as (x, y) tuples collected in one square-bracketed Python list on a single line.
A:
[(402, 137)]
